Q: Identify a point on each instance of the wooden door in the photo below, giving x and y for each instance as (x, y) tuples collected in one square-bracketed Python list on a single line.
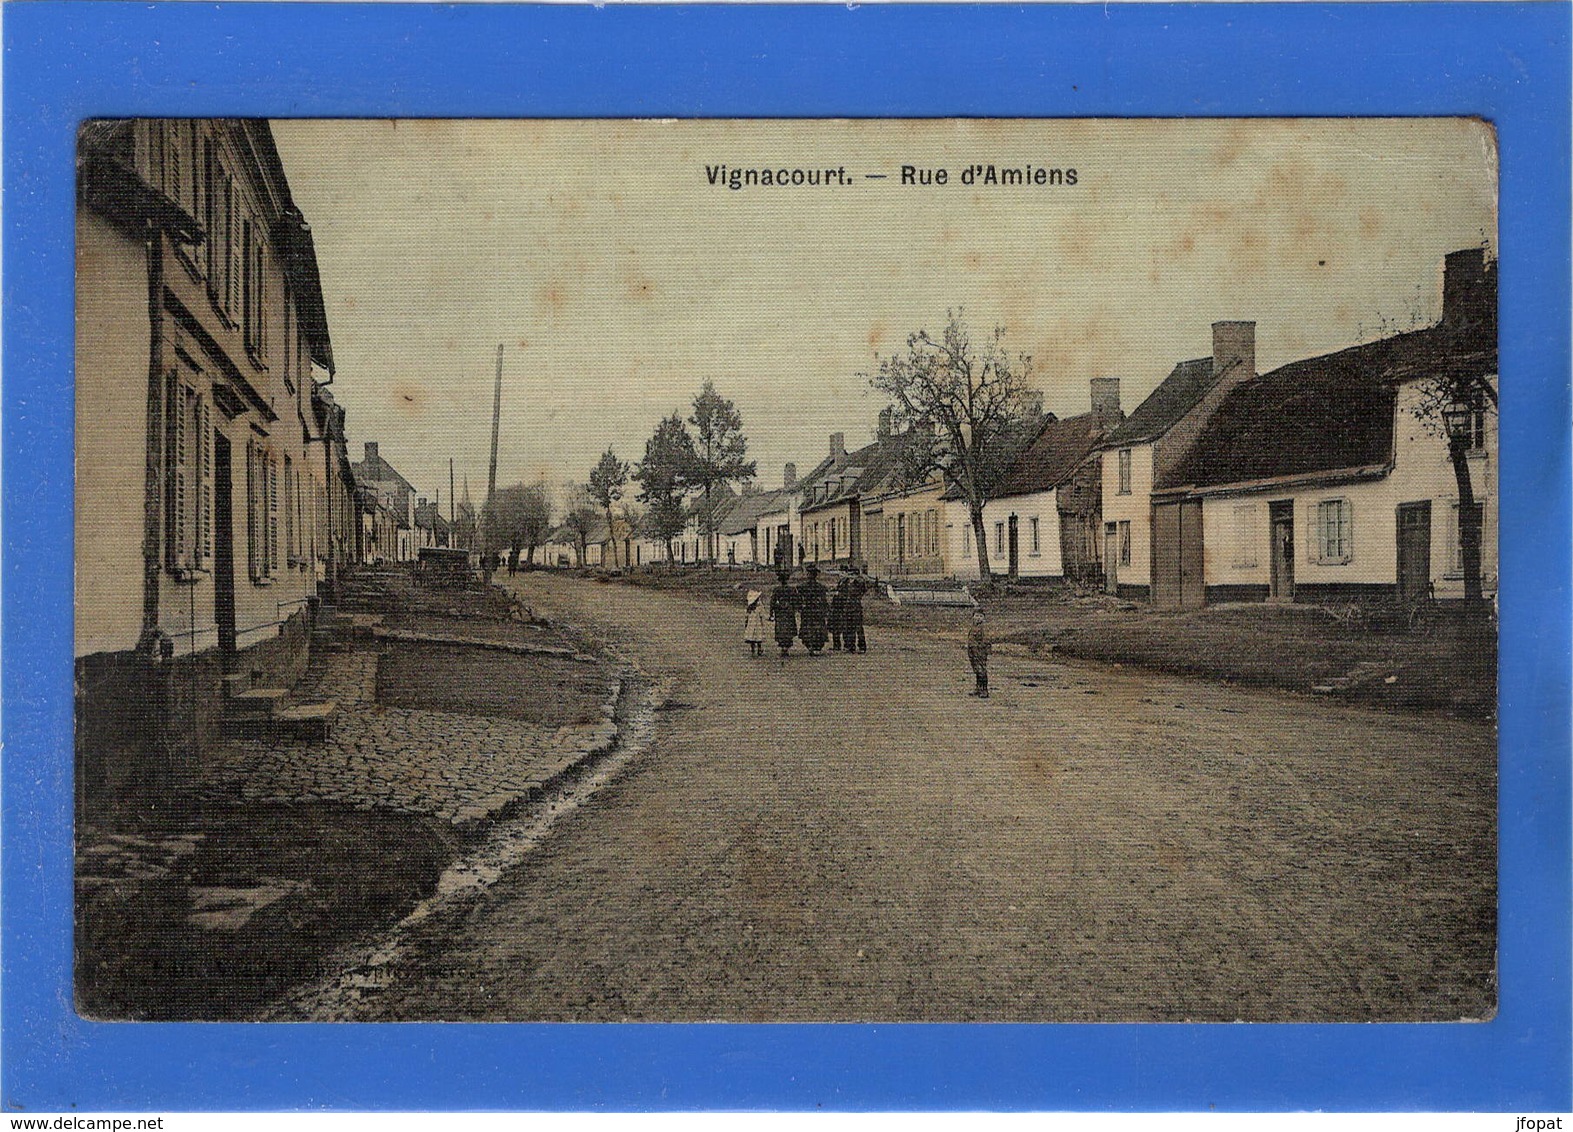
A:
[(223, 551), (1281, 516), (1015, 555), (1414, 549), (1111, 558), (1193, 572)]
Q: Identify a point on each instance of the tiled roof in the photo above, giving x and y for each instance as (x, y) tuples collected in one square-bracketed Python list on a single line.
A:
[(1057, 450), (1175, 396), (869, 469), (1323, 414)]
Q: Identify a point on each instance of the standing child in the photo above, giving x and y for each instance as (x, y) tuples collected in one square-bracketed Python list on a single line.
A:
[(978, 647), (754, 625)]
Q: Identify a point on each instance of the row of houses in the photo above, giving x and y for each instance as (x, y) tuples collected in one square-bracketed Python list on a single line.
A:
[(215, 502), (1326, 479)]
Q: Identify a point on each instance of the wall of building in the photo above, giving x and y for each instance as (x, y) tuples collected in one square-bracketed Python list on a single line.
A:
[(814, 531), (1042, 506), (921, 518), (1237, 527), (1133, 507), (112, 360)]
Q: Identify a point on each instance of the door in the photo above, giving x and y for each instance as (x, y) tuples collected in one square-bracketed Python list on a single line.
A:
[(1281, 517), (901, 542), (1111, 558), (223, 552), (1193, 570), (1015, 557), (1414, 549)]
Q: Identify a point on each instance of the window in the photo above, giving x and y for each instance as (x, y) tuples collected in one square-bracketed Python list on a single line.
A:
[(1033, 524), (1125, 471), (1334, 531), (834, 529), (188, 436), (1247, 534), (1125, 542), (933, 532), (1455, 536), (262, 512), (999, 538)]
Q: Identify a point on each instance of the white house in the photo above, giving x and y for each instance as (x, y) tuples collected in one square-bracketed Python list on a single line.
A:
[(1327, 479), (1148, 444)]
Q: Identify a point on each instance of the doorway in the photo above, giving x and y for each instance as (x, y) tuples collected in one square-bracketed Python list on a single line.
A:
[(1015, 556), (1281, 517), (223, 552), (1414, 550), (1111, 558)]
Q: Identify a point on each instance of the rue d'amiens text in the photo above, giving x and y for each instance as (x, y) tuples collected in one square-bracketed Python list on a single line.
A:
[(987, 175)]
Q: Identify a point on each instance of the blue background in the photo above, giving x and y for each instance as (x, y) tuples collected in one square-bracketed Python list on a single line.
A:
[(65, 62)]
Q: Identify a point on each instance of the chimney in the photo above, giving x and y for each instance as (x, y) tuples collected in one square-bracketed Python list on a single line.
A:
[(371, 452), (789, 476), (1106, 396), (1234, 342), (838, 444), (1468, 291)]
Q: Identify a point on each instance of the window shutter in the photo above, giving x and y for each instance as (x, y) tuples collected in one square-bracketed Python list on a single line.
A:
[(178, 469), (231, 246), (205, 489), (273, 514), (253, 513)]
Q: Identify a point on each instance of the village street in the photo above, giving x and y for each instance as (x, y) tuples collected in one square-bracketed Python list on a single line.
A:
[(853, 838)]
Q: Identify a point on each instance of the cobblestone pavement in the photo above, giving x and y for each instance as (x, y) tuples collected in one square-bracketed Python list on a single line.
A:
[(853, 838), (457, 767)]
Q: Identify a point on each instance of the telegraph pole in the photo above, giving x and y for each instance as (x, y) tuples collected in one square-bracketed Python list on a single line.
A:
[(491, 475), (453, 503)]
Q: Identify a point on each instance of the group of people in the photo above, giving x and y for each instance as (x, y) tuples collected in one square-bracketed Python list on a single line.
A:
[(809, 612)]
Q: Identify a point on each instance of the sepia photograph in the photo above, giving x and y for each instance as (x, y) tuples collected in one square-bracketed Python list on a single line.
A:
[(786, 570)]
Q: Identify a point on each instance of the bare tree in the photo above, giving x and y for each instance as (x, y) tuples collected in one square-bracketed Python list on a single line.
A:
[(1458, 404), (967, 409), (579, 517), (607, 481), (719, 453)]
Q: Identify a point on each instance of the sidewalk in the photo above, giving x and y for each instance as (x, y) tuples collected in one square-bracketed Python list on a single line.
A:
[(283, 850)]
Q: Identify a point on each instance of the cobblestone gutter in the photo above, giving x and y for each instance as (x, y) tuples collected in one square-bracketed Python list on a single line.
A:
[(259, 868)]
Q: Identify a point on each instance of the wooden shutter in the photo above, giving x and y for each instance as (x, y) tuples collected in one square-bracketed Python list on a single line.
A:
[(253, 513), (205, 501), (273, 514), (177, 465)]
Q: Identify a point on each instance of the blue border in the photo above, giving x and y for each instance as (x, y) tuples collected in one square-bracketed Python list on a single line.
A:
[(67, 61)]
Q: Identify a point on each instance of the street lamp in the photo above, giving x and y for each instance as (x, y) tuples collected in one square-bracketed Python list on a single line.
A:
[(1458, 419)]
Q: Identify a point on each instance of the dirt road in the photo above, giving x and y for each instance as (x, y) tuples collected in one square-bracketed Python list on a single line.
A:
[(853, 838)]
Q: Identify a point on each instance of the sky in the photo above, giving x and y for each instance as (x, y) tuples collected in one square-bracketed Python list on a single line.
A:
[(618, 278)]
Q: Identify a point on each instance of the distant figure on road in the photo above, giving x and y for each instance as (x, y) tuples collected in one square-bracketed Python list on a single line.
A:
[(754, 625), (813, 604), (838, 614), (783, 611), (978, 647), (852, 638)]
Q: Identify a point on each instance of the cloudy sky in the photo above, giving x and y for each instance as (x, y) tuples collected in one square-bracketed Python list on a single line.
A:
[(618, 278)]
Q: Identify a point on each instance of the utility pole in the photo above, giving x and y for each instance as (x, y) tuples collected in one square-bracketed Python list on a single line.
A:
[(453, 502), (491, 475)]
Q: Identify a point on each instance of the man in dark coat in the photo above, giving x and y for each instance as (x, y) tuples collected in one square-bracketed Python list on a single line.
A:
[(783, 611), (813, 605), (852, 636), (838, 614)]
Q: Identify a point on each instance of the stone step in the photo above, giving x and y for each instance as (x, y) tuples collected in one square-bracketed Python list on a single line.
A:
[(255, 702), (304, 721)]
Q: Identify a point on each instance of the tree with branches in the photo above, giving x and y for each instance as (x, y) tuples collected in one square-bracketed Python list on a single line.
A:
[(966, 407), (519, 517), (607, 481), (579, 517), (663, 476), (720, 454), (1458, 402)]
